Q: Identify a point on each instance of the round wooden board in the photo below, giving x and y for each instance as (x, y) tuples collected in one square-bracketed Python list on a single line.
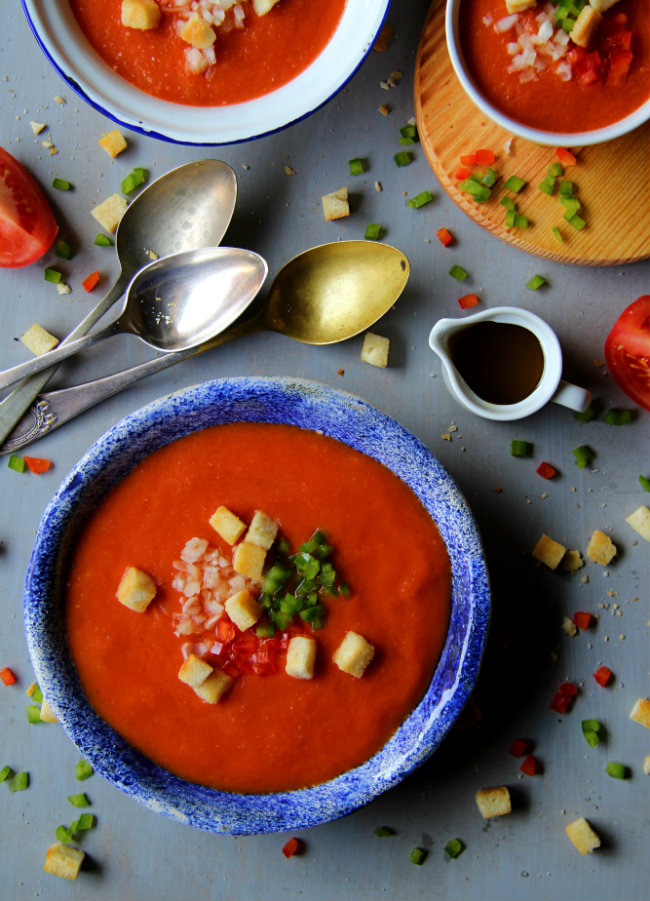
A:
[(612, 179)]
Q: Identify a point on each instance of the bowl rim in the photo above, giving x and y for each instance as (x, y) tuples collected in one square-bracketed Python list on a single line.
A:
[(616, 129), (293, 401), (61, 40)]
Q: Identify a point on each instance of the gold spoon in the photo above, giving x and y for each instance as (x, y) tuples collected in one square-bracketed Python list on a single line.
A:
[(324, 295)]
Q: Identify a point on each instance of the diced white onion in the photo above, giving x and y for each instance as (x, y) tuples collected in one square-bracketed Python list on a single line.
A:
[(507, 22)]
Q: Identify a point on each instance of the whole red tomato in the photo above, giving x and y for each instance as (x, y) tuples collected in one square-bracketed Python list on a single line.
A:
[(627, 351), (27, 224)]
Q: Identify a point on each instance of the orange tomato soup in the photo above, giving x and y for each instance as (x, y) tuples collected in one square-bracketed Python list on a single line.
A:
[(584, 89), (269, 732), (265, 54)]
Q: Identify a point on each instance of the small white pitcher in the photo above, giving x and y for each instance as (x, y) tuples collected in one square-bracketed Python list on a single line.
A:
[(551, 387)]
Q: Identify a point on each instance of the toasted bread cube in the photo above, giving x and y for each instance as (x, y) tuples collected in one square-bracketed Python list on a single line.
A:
[(518, 6), (586, 26), (640, 713), (572, 561), (640, 521), (198, 32), (335, 205), (602, 5), (354, 654), (375, 350), (583, 836), (226, 524), (262, 530), (136, 589), (194, 670), (113, 143), (549, 552), (301, 657), (262, 7), (493, 802), (140, 14), (214, 687), (601, 549), (248, 560), (109, 212), (38, 340), (243, 609), (47, 714), (62, 860)]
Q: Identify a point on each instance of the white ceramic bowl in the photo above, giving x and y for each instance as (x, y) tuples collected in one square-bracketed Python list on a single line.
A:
[(553, 139), (63, 42)]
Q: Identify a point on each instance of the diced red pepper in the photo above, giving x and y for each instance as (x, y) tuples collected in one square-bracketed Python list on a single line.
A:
[(462, 172), (518, 748), (582, 620), (444, 236), (546, 471), (7, 676), (293, 846), (468, 159), (563, 697), (568, 689), (484, 157), (91, 281), (225, 630), (565, 156), (619, 66), (37, 465), (468, 300), (602, 675), (529, 766)]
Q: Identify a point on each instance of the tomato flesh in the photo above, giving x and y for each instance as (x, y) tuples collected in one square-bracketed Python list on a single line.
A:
[(627, 351), (27, 224)]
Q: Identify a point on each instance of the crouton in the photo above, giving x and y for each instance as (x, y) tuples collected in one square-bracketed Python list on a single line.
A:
[(194, 671), (600, 549), (47, 714), (518, 6), (572, 562), (113, 143), (335, 205), (243, 609), (549, 552), (227, 525), (214, 687), (493, 802), (353, 654), (301, 656), (198, 32), (602, 5), (585, 26), (136, 589), (109, 212), (248, 560), (262, 530), (640, 521), (262, 7), (640, 713), (375, 350), (583, 836), (62, 860), (141, 14), (38, 340)]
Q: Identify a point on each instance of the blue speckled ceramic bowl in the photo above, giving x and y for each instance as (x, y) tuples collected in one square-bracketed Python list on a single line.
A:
[(309, 405)]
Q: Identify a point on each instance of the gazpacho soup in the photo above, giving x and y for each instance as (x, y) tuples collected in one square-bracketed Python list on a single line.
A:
[(257, 607), (208, 52), (565, 66)]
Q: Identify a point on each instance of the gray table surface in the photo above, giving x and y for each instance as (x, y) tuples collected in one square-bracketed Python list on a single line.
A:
[(134, 853)]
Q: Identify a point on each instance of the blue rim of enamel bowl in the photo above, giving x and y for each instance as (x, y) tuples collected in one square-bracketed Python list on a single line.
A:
[(78, 67), (278, 400)]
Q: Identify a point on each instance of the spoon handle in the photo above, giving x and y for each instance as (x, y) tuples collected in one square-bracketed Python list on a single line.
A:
[(15, 404), (51, 410)]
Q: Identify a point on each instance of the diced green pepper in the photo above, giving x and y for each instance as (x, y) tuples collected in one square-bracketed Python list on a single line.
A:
[(521, 221), (511, 216), (520, 448), (64, 835), (473, 187), (33, 714), (536, 282), (409, 134), (383, 832), (418, 856), (83, 770), (458, 272), (557, 234), (566, 188), (356, 166), (555, 169), (583, 456), (63, 250), (591, 730), (547, 186), (575, 221), (586, 415), (419, 200), (80, 800), (616, 770), (515, 184), (490, 177), (61, 184), (373, 231), (403, 158), (6, 773), (19, 782), (102, 240), (454, 847), (86, 821), (16, 463), (618, 417), (644, 481), (52, 275), (508, 203)]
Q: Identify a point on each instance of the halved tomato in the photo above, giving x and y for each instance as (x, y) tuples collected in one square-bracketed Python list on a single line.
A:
[(627, 351), (27, 224)]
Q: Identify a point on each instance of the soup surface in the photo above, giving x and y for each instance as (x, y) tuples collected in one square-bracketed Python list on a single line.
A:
[(548, 82), (269, 732), (249, 61)]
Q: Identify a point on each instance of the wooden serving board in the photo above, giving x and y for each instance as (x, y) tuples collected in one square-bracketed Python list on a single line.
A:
[(612, 179)]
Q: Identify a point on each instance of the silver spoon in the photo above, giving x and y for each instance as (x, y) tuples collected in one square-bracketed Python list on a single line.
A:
[(172, 304), (187, 208)]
